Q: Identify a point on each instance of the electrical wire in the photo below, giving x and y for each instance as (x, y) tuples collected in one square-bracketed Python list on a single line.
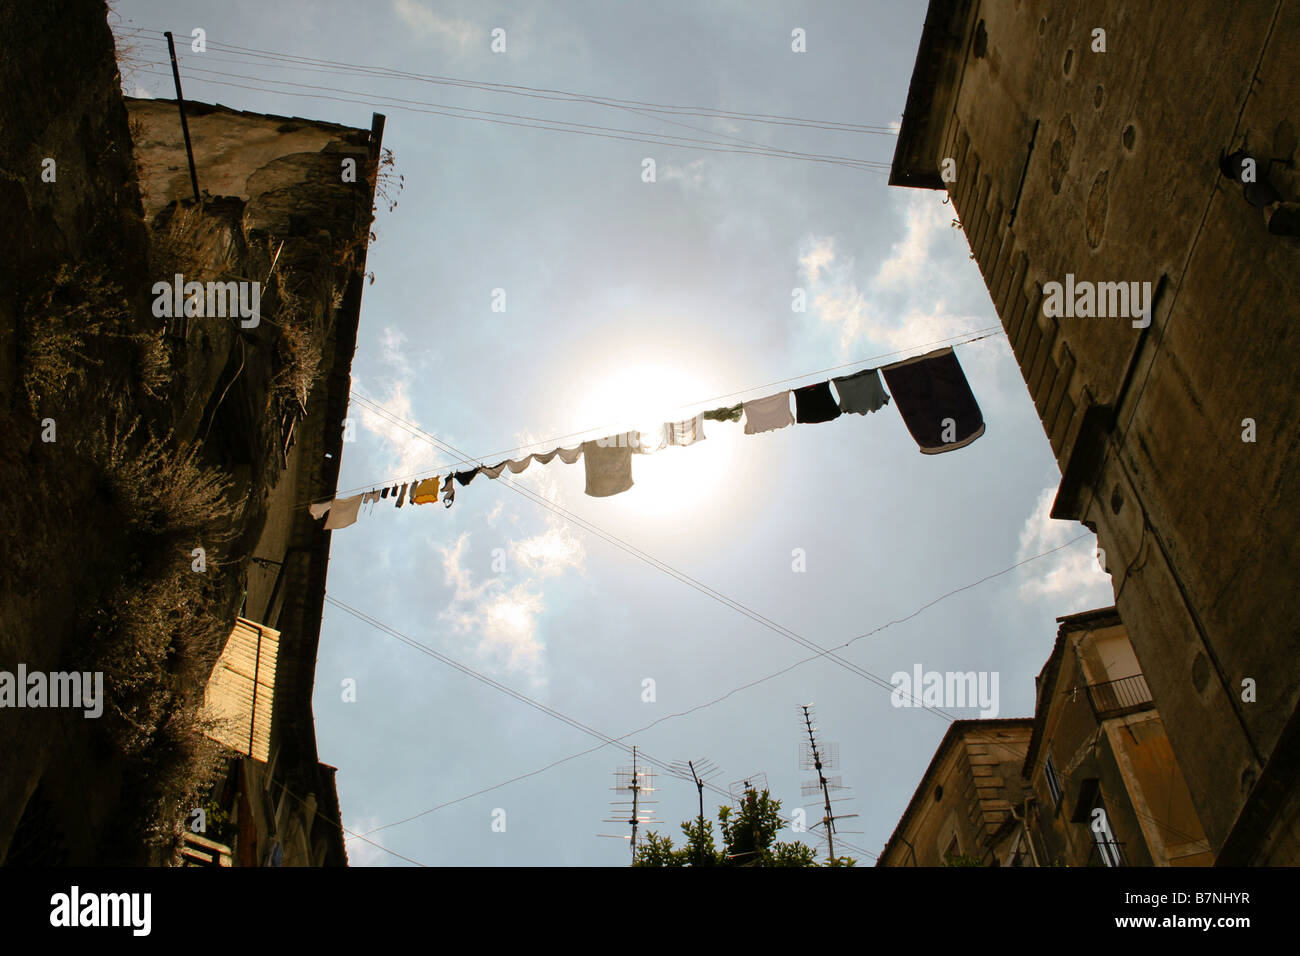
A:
[(292, 61), (964, 338)]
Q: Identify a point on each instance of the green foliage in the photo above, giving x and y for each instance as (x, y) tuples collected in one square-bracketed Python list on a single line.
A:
[(748, 836), (958, 859)]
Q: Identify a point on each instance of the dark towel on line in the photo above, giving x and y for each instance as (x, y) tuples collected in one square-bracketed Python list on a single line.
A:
[(814, 404), (929, 389), (861, 392), (465, 477)]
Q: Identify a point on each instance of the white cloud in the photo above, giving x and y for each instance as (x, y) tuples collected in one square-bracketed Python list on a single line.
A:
[(452, 31), (1071, 579), (692, 174), (556, 549), (505, 619), (902, 305), (361, 853), (409, 452)]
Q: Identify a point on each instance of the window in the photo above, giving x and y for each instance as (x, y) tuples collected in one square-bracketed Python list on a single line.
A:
[(1053, 781)]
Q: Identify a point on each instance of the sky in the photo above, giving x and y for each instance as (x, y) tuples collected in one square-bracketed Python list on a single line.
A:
[(628, 303)]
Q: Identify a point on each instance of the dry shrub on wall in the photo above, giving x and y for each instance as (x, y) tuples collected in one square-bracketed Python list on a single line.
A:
[(80, 321), (158, 631), (298, 348)]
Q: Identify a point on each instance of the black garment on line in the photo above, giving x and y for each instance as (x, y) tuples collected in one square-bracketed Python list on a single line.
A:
[(814, 404), (465, 477), (384, 493), (929, 390)]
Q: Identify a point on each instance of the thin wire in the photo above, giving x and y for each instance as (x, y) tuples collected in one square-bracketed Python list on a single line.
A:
[(292, 61), (661, 140), (698, 707), (649, 559), (558, 125), (976, 335), (753, 615)]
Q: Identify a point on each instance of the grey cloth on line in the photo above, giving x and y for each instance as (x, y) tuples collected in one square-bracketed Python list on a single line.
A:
[(861, 392), (319, 508), (343, 512), (609, 468), (493, 470), (570, 456), (401, 497), (517, 466), (768, 414)]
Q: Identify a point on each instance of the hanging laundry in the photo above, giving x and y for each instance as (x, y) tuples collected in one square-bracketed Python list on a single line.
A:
[(683, 433), (343, 512), (814, 404), (384, 493), (545, 459), (425, 492), (935, 400), (319, 508), (731, 414), (768, 414), (494, 470), (449, 491), (465, 477), (370, 496), (609, 466), (861, 392), (570, 456), (401, 498), (517, 466)]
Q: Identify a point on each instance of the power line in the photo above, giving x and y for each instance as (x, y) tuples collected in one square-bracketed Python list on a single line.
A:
[(650, 559), (633, 136), (292, 61), (965, 339), (649, 113)]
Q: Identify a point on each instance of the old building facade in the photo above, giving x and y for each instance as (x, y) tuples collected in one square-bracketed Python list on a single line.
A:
[(969, 805), (280, 205), (1081, 144), (1105, 787)]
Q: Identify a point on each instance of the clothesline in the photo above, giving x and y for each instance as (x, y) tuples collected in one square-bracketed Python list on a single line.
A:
[(930, 392), (554, 440)]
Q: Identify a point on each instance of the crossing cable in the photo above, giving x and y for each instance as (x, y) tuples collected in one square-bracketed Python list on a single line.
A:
[(558, 124), (465, 669), (293, 61), (526, 122), (965, 338), (647, 558)]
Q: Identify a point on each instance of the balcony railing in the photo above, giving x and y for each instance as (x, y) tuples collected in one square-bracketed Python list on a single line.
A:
[(1113, 698)]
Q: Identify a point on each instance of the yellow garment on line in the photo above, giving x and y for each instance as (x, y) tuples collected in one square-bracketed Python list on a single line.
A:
[(425, 492)]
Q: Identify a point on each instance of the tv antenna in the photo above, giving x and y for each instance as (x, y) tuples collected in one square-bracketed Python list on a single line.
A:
[(738, 788), (697, 771), (822, 758), (638, 782)]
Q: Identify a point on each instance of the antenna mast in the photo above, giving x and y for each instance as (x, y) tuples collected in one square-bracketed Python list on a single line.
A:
[(639, 782), (816, 759)]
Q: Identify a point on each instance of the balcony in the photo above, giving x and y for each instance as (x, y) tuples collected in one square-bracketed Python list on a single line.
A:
[(1115, 698)]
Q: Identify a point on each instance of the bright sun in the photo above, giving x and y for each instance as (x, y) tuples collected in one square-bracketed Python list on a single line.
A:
[(643, 395)]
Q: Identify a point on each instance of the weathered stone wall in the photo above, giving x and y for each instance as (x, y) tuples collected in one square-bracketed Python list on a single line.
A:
[(1105, 165)]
